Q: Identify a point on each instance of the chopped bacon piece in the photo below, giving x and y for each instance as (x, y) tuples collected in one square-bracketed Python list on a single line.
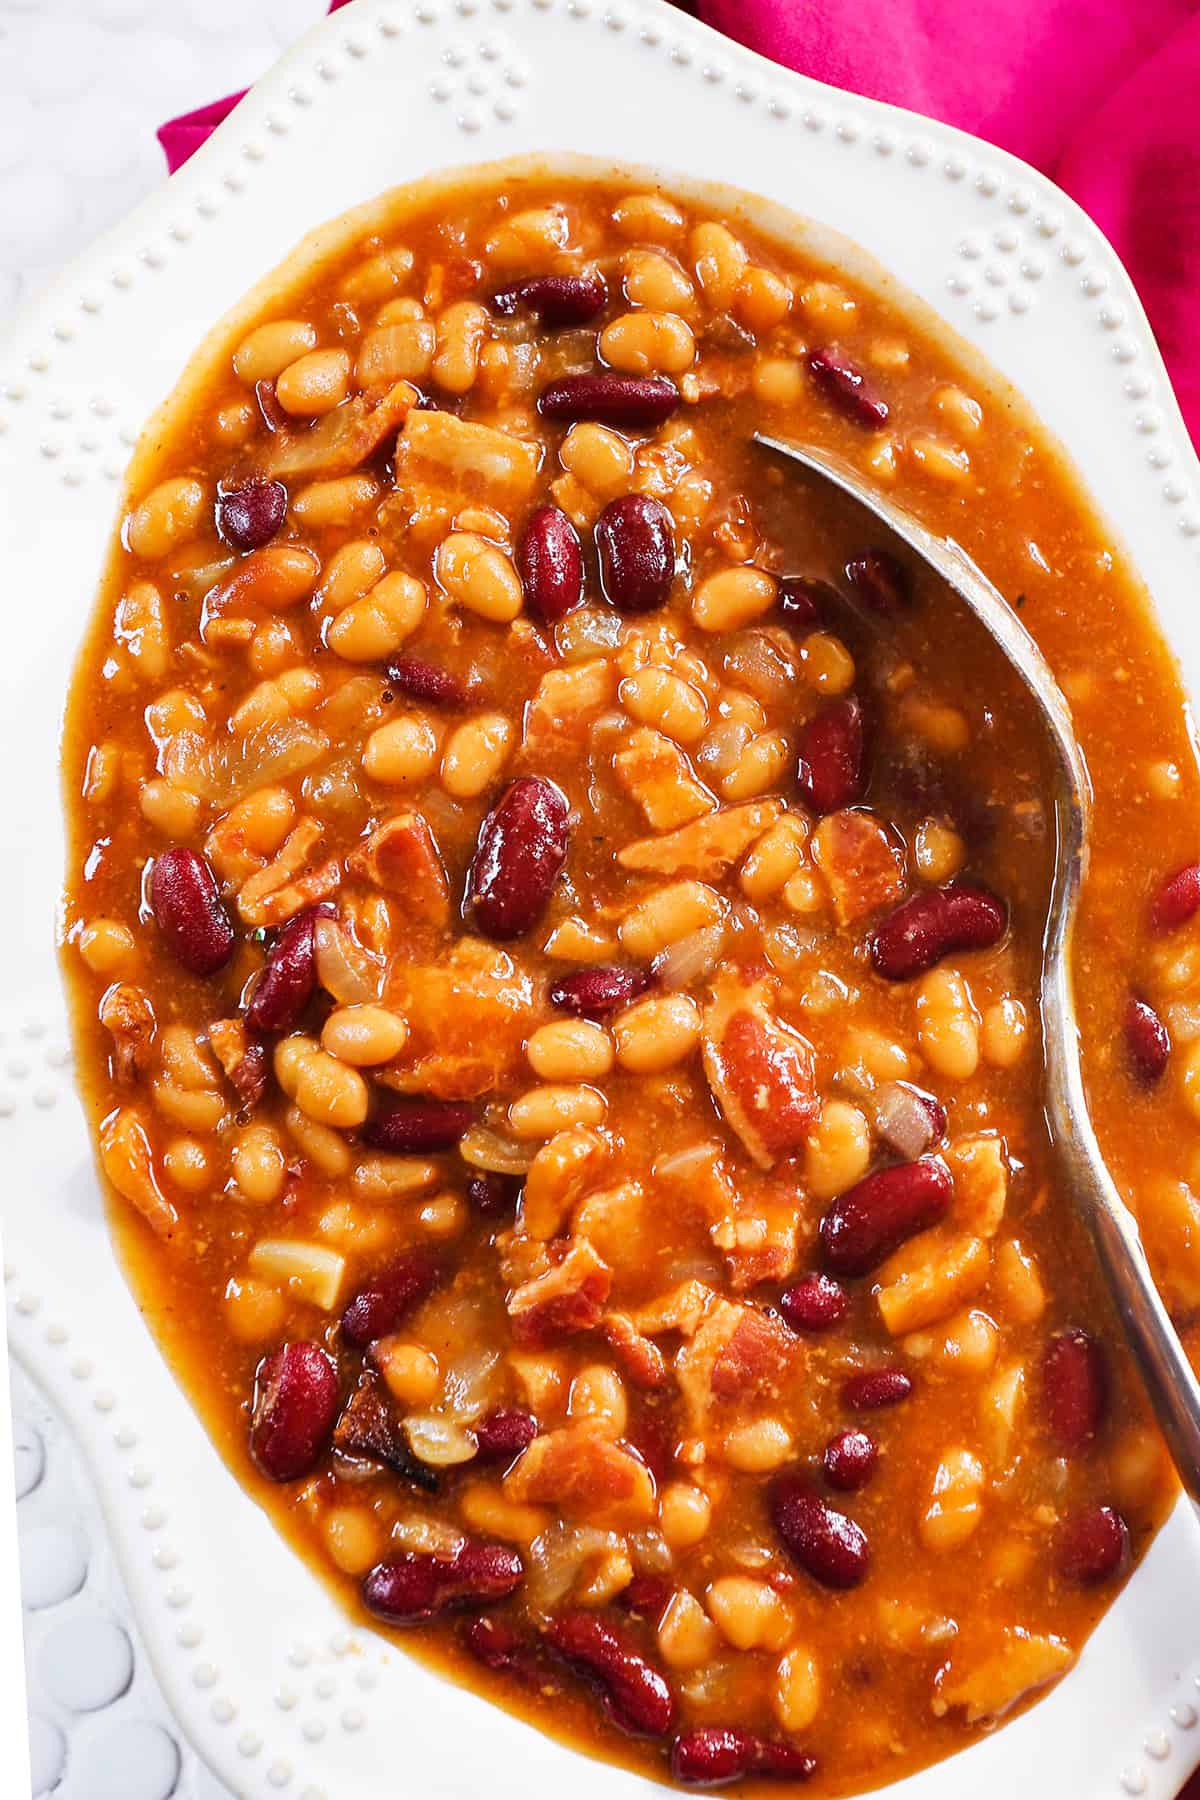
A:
[(681, 1310), (980, 1170), (758, 1245), (319, 884), (128, 1161), (641, 1360), (465, 462), (274, 893), (584, 1475), (369, 1428), (761, 1073), (243, 1058), (343, 438), (656, 773), (565, 703), (863, 868), (402, 856), (567, 1298), (127, 1015), (707, 847), (468, 1018), (618, 1223), (737, 1354), (755, 1358)]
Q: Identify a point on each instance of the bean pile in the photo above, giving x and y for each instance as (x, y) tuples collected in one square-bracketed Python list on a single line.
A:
[(554, 913)]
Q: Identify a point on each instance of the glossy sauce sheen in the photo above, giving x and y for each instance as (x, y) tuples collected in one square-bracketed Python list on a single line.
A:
[(554, 923)]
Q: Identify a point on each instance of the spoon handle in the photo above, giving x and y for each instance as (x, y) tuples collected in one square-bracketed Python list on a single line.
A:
[(1171, 1384), (1170, 1381)]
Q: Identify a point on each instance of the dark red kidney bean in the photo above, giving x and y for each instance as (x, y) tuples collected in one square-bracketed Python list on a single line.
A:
[(814, 1303), (826, 1544), (849, 1460), (632, 402), (596, 992), (714, 1755), (880, 580), (521, 848), (498, 1646), (804, 601), (555, 300), (550, 564), (423, 680), (288, 978), (408, 1589), (830, 770), (503, 1433), (294, 1410), (389, 1297), (846, 387), (1147, 1041), (492, 1195), (872, 1389), (1177, 900), (1074, 1389), (1093, 1545), (635, 546), (273, 415), (636, 1697), (187, 910), (880, 1212), (960, 916), (404, 1125), (647, 1596), (249, 516), (492, 1642)]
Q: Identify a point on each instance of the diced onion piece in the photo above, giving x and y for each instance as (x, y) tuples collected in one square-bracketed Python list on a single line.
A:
[(555, 1558), (487, 1150), (469, 1385), (902, 1120), (425, 1536), (343, 968), (690, 959), (308, 1270), (223, 769), (437, 1441)]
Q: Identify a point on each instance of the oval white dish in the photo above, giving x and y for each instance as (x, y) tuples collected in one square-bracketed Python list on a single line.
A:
[(273, 1685)]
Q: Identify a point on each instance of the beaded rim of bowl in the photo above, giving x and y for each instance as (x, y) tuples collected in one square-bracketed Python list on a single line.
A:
[(286, 1703)]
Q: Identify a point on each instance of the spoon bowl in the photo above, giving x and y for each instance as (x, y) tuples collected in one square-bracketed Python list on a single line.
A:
[(1170, 1381)]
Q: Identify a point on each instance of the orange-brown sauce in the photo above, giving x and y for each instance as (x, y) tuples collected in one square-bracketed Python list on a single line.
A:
[(206, 682)]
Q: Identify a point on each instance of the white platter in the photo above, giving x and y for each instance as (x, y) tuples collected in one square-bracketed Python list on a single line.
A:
[(276, 1690)]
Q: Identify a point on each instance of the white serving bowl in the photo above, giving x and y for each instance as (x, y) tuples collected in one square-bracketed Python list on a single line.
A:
[(276, 1689)]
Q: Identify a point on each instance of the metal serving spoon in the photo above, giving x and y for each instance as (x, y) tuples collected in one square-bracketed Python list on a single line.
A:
[(1170, 1381)]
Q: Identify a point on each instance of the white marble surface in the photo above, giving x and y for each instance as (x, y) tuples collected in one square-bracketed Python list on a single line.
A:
[(83, 85), (98, 1726)]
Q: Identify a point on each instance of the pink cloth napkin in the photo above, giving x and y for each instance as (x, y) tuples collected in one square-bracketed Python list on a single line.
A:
[(1101, 94)]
